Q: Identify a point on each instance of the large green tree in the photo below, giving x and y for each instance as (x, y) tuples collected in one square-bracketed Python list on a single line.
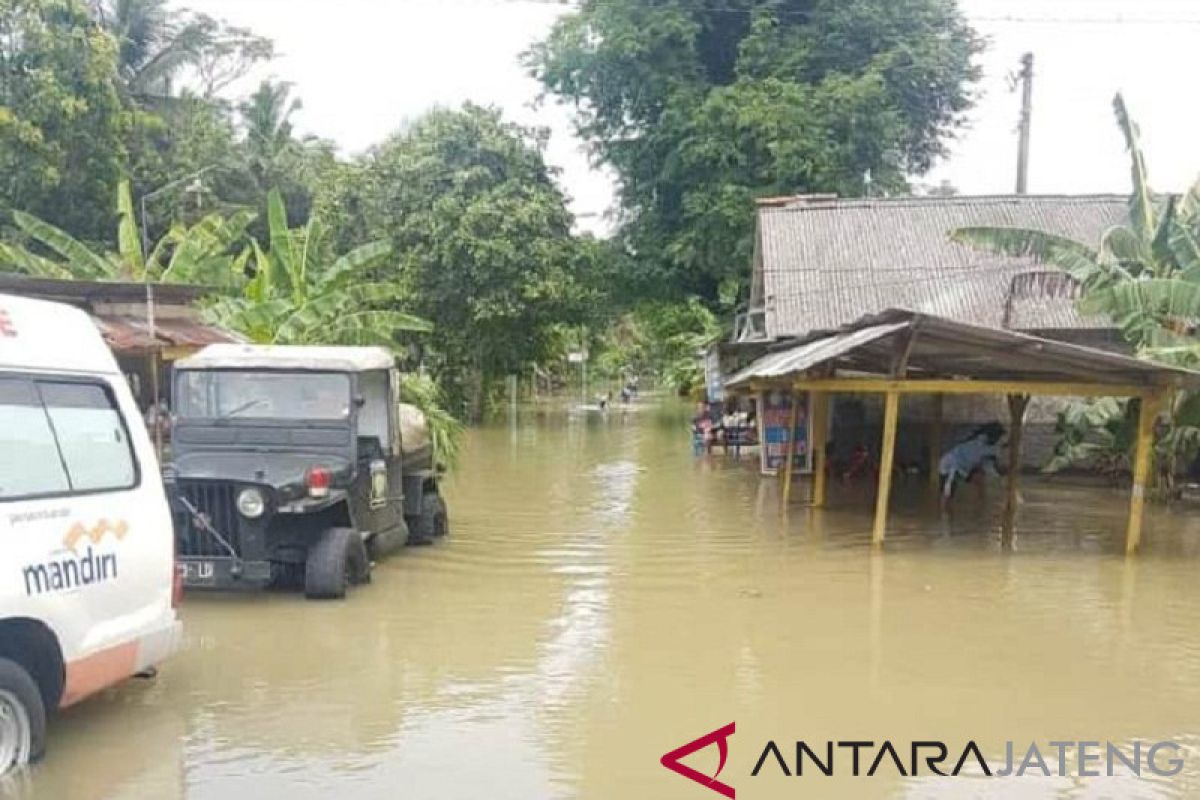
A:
[(483, 240), (700, 107), (63, 125)]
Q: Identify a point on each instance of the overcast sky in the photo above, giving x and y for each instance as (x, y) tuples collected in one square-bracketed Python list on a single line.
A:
[(362, 67)]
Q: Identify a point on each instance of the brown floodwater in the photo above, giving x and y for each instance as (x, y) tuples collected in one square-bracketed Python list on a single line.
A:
[(606, 596)]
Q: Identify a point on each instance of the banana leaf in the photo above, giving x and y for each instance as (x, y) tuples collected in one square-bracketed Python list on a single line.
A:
[(129, 243), (19, 259), (358, 261), (83, 263), (1074, 258), (1142, 214)]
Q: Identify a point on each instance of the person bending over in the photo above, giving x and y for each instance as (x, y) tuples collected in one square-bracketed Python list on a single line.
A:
[(978, 453)]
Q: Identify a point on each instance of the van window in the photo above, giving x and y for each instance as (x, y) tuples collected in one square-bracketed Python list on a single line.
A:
[(29, 459), (91, 436)]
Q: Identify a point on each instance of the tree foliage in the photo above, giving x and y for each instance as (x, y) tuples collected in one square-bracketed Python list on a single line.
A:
[(206, 252), (700, 108), (301, 293), (62, 122), (483, 238)]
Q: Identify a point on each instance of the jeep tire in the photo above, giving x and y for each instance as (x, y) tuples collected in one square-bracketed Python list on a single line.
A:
[(441, 517), (336, 561), (424, 527), (22, 717)]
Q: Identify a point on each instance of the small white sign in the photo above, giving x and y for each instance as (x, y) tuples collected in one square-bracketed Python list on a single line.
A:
[(576, 358)]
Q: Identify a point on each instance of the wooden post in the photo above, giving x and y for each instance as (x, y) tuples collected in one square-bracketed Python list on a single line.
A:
[(1151, 405), (1017, 403), (789, 467), (818, 426), (935, 442), (891, 416)]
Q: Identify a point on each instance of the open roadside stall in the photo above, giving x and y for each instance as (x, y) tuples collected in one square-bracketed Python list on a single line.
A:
[(900, 353)]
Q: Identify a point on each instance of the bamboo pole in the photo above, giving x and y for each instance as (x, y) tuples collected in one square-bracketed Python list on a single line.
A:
[(789, 468), (819, 431), (1017, 404), (891, 416), (935, 441), (1141, 470)]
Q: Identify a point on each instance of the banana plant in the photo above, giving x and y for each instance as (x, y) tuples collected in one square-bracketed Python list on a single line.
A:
[(210, 252), (301, 294), (1144, 274)]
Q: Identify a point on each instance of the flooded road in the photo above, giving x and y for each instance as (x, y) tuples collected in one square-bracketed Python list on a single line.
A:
[(606, 597)]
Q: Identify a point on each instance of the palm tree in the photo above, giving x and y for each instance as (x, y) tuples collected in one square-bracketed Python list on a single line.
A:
[(267, 117), (299, 294), (210, 252)]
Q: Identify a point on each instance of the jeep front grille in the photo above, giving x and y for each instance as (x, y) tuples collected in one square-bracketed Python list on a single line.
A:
[(218, 503)]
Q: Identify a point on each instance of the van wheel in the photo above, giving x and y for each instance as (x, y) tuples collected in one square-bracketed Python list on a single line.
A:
[(336, 561), (22, 717)]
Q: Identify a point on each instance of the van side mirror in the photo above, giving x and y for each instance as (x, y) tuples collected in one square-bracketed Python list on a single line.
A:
[(359, 401)]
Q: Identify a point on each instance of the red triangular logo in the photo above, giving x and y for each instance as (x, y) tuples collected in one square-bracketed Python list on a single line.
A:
[(721, 736)]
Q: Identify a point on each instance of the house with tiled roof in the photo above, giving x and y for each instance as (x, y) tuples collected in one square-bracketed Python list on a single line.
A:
[(821, 262)]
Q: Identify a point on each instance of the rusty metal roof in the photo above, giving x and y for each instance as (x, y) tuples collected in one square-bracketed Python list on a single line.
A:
[(936, 347), (126, 334), (822, 263)]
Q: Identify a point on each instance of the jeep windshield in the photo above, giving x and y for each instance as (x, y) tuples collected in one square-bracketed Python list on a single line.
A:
[(232, 394)]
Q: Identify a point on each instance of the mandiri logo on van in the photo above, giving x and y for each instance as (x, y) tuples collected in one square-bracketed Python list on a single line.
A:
[(73, 568)]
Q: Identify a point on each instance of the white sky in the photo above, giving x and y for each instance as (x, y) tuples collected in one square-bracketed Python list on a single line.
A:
[(362, 67)]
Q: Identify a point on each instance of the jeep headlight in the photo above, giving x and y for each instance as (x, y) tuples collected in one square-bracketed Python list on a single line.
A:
[(250, 503)]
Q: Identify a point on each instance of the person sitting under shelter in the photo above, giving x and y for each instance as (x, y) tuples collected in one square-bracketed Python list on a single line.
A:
[(978, 453)]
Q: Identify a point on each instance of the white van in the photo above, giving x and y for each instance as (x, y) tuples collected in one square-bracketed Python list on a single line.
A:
[(87, 577)]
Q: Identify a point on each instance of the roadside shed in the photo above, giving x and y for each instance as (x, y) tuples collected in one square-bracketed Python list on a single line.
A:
[(900, 353)]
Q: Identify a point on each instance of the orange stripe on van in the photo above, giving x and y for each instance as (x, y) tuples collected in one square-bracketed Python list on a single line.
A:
[(90, 674)]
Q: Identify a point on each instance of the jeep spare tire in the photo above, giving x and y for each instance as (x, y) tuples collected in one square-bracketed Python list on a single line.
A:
[(416, 446), (22, 717), (336, 560)]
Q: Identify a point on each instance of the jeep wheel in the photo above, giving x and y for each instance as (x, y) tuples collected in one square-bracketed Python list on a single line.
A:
[(441, 518), (424, 527), (336, 561), (22, 717)]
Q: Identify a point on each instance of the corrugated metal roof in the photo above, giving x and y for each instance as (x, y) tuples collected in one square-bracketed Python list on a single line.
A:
[(825, 263), (800, 358), (942, 348), (126, 334)]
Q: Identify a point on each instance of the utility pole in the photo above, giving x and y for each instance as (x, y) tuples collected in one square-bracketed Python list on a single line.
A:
[(1025, 78)]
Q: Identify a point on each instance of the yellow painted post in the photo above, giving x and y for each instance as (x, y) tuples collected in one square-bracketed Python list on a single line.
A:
[(935, 441), (891, 416), (790, 450), (1017, 403), (819, 429), (1141, 470)]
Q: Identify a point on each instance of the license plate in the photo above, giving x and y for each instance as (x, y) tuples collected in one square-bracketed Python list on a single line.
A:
[(197, 571)]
